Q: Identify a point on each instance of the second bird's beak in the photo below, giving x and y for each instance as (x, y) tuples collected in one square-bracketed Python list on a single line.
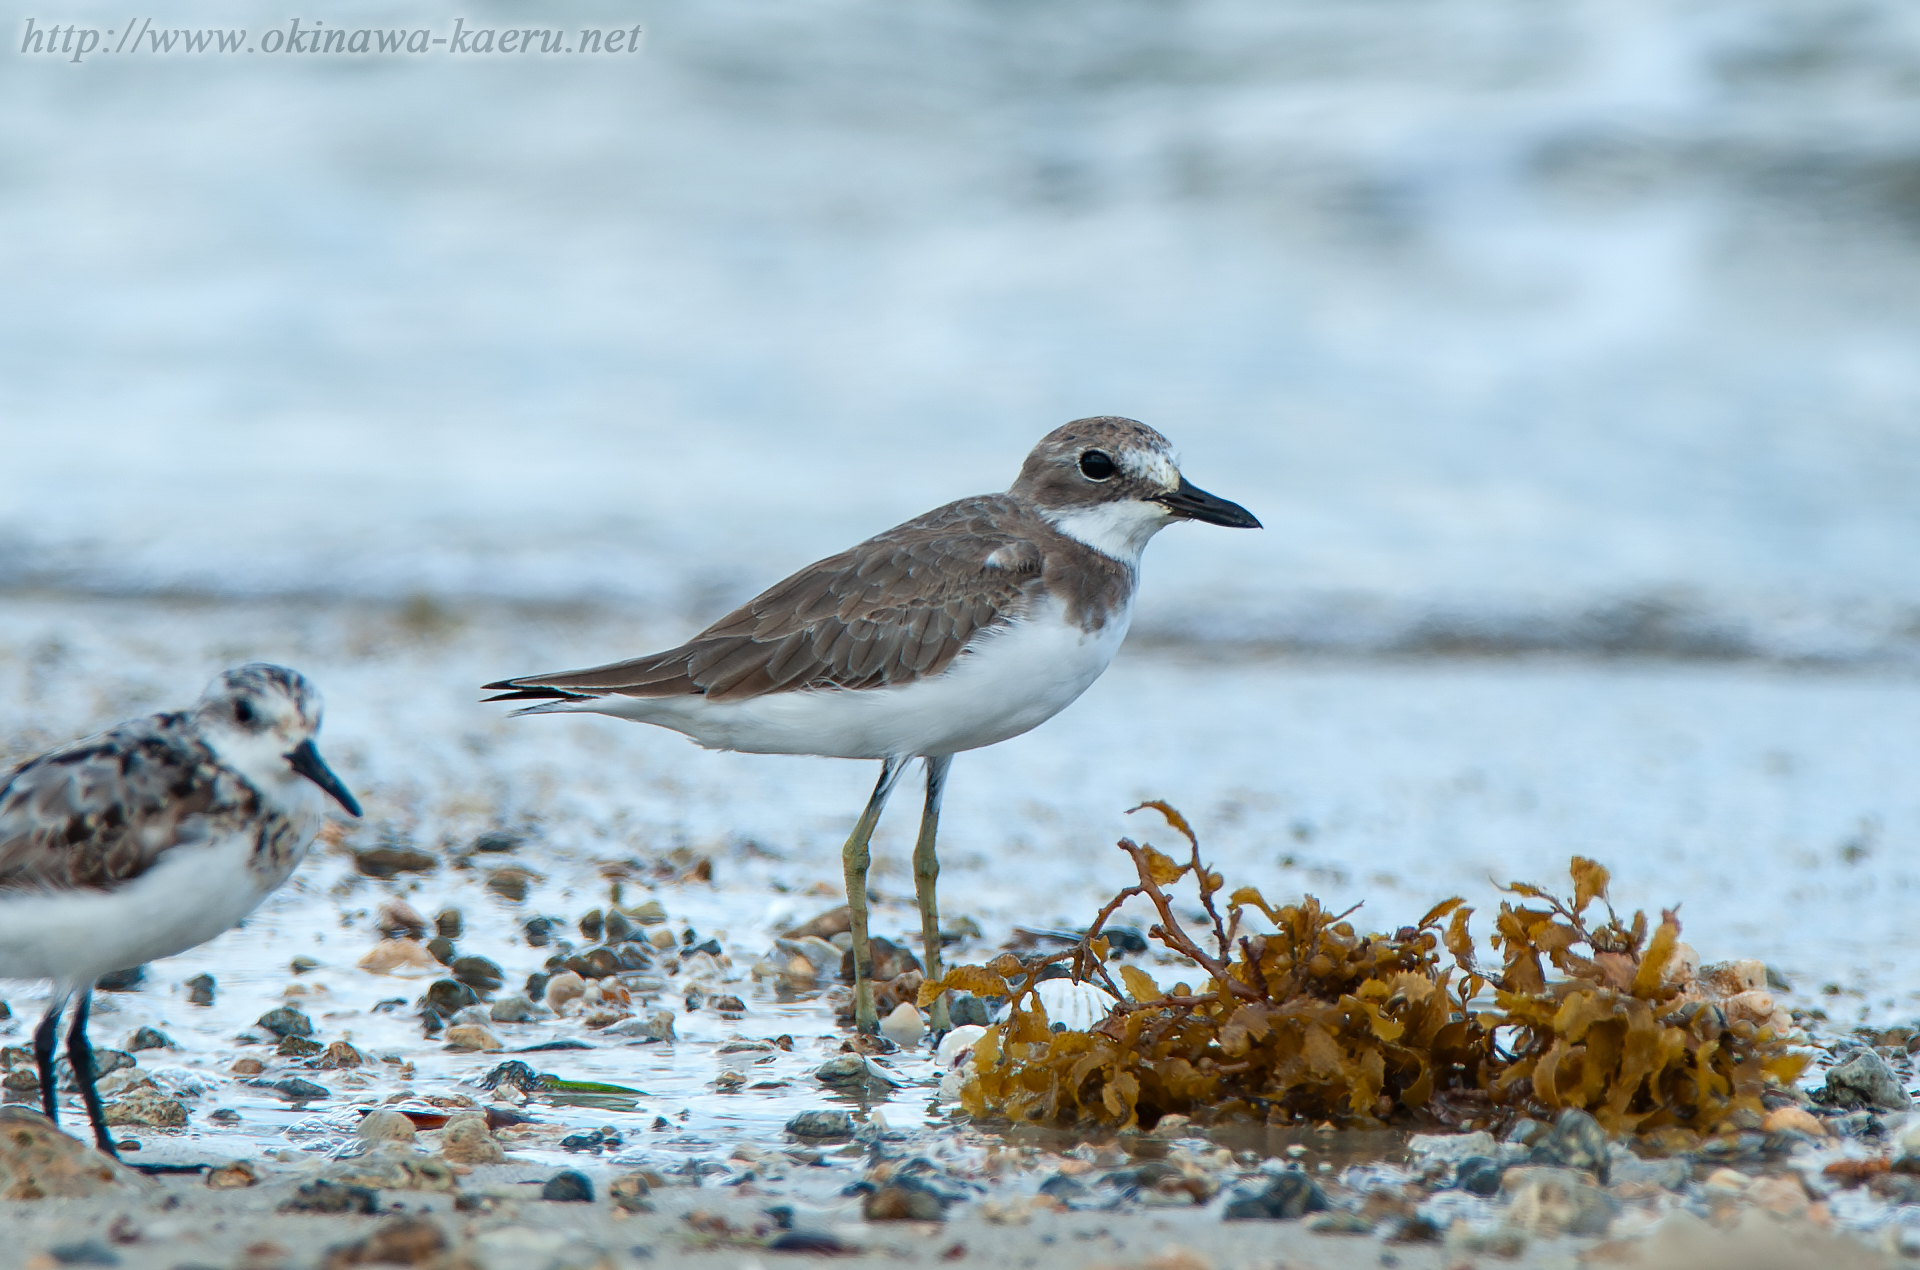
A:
[(1190, 502), (306, 760)]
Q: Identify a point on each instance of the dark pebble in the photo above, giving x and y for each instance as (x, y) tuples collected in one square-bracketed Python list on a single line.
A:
[(597, 964), (964, 1008), (514, 1073), (816, 1242), (148, 1039), (90, 1252), (1054, 971), (1576, 1142), (385, 862), (477, 973), (709, 946), (728, 1005), (293, 1089), (285, 1021), (200, 990), (1416, 1230), (633, 957), (1125, 939), (617, 928), (567, 1044), (498, 840), (905, 1199), (592, 923), (538, 931), (596, 1141), (442, 949), (1477, 1175), (449, 924), (447, 997), (509, 883), (332, 1197), (568, 1188), (821, 1124), (298, 1047), (301, 965), (127, 980), (1287, 1197), (1865, 1081), (1062, 1187), (890, 961), (536, 989), (6, 1011)]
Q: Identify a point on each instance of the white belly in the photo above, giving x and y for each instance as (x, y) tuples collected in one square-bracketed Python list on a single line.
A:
[(192, 894), (1006, 684)]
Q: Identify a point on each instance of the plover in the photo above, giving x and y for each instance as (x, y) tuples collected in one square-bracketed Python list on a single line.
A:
[(152, 837), (961, 628)]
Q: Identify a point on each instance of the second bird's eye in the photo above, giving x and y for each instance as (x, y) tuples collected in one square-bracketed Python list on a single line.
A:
[(242, 712), (1096, 465)]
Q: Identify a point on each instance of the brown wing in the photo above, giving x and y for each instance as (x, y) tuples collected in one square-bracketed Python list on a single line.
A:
[(891, 610), (100, 811)]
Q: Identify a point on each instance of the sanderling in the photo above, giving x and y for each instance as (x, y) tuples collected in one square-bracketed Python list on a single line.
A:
[(152, 837), (959, 629)]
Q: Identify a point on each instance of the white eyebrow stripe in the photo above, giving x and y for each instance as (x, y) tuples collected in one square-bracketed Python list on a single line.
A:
[(1152, 466)]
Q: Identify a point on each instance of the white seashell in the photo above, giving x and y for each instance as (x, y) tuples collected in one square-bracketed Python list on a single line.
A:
[(1081, 1006)]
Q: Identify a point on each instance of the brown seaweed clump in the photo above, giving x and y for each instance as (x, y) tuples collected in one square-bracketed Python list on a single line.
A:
[(1299, 1017)]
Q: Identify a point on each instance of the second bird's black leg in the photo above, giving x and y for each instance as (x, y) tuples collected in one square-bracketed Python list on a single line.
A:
[(80, 1054), (44, 1038)]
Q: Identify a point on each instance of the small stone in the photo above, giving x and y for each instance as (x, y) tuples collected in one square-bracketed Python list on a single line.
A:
[(1865, 1081), (128, 980), (568, 1187), (393, 1166), (469, 1141), (828, 924), (821, 1124), (447, 997), (497, 841), (147, 1038), (818, 1243), (1286, 1197), (340, 1054), (564, 987), (514, 1009), (1551, 1201), (1478, 1175), (591, 925), (293, 1090), (386, 862), (617, 928), (200, 990), (728, 1007), (285, 1021), (890, 960), (1576, 1142), (904, 1027), (147, 1109), (468, 1037), (402, 957), (1451, 1146), (442, 950), (850, 1073), (511, 883), (655, 1027), (383, 1125), (661, 939), (964, 1009), (324, 1196), (1727, 1181), (233, 1176), (483, 976), (406, 1239), (1340, 1223), (247, 1067), (87, 1252), (629, 1193), (904, 1199), (298, 1047), (448, 924), (37, 1161), (1794, 1120), (303, 965)]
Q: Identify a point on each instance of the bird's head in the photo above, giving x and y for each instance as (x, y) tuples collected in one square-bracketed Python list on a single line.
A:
[(261, 719)]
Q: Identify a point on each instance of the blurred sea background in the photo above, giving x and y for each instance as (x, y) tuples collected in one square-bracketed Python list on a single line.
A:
[(1568, 353)]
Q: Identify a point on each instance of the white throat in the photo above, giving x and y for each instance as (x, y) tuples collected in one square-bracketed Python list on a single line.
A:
[(262, 759), (1119, 530)]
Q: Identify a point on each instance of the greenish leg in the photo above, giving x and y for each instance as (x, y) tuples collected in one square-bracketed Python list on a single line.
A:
[(926, 873), (855, 857)]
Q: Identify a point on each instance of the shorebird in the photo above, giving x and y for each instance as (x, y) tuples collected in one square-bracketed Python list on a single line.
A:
[(961, 628), (150, 838)]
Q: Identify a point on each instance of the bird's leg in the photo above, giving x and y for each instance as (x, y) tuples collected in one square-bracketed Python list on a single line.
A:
[(44, 1038), (855, 856), (80, 1054), (926, 873)]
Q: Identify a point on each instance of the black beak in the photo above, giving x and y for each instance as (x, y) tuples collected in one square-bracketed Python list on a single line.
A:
[(306, 761), (1190, 502)]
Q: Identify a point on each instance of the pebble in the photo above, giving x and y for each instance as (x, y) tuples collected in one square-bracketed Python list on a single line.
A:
[(1286, 1197), (564, 987), (148, 1038), (448, 924), (568, 1187), (326, 1196), (511, 883), (447, 997), (1864, 1080), (385, 862), (904, 1199), (1551, 1201), (405, 1239), (1794, 1120), (298, 1047), (285, 1021), (1479, 1175), (821, 1124), (393, 1166), (890, 960), (468, 1037), (629, 1193), (37, 1161), (1452, 1146), (1576, 1141), (233, 1176), (200, 990), (904, 1027), (405, 958), (657, 1026), (340, 1054), (483, 976), (293, 1089), (965, 1010), (514, 1009), (467, 1140), (382, 1125), (148, 1109)]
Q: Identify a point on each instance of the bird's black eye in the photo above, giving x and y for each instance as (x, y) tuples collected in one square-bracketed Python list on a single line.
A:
[(1096, 465), (243, 712)]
